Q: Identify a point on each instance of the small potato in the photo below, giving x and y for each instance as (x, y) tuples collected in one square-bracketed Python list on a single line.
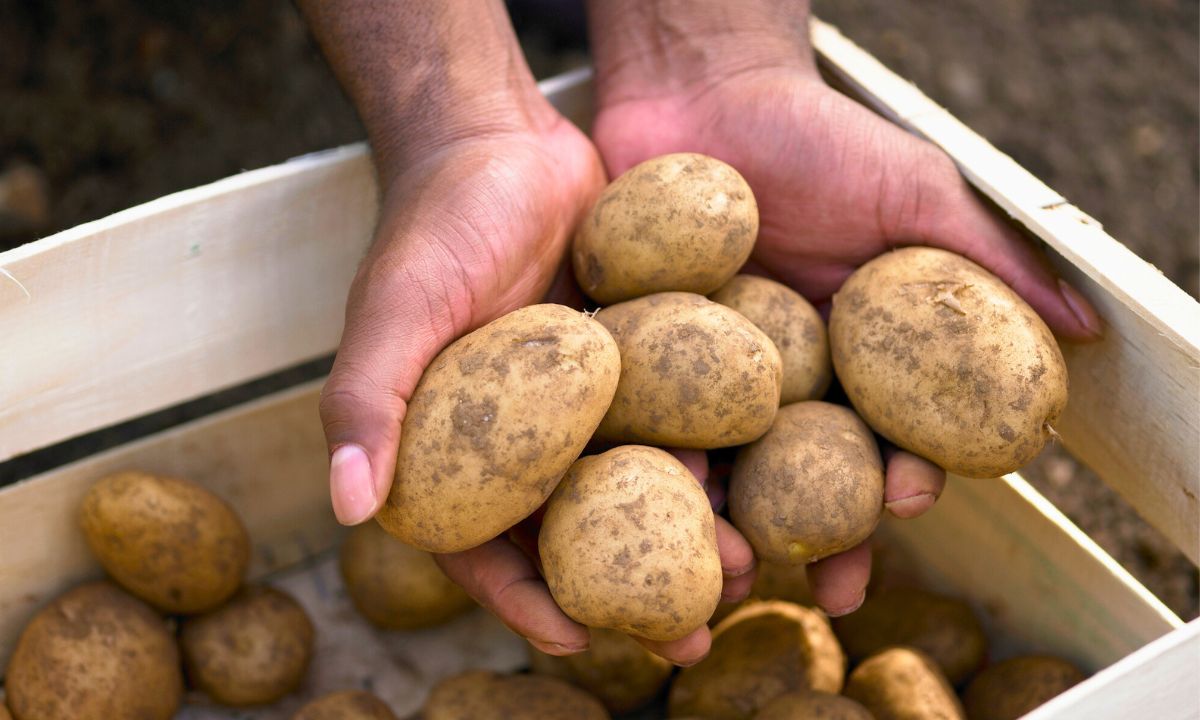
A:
[(615, 668), (1010, 689), (94, 652), (495, 421), (346, 705), (677, 222), (168, 541), (694, 374), (903, 683), (394, 586), (812, 705), (943, 627), (795, 327), (761, 651), (251, 651), (629, 543), (481, 695), (811, 487), (946, 361)]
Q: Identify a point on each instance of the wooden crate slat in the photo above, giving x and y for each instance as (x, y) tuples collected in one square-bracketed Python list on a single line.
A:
[(1134, 414)]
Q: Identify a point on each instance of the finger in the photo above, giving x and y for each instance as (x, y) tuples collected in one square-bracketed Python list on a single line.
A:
[(839, 582), (913, 484), (504, 580), (696, 461), (737, 557), (688, 650)]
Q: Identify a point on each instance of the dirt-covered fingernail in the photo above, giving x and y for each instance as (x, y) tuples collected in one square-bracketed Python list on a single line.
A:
[(838, 612), (911, 507), (557, 649)]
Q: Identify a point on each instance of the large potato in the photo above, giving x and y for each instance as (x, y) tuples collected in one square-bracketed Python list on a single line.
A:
[(171, 542), (94, 652), (1010, 689), (943, 627), (945, 360), (395, 586), (481, 695), (629, 543), (615, 668), (253, 650), (676, 222), (693, 374), (811, 487), (759, 652), (495, 421), (346, 705), (793, 325), (903, 683), (812, 705)]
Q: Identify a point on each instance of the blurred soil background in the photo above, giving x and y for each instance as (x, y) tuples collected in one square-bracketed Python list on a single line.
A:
[(111, 103)]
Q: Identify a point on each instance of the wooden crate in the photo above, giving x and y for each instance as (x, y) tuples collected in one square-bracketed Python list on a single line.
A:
[(211, 287)]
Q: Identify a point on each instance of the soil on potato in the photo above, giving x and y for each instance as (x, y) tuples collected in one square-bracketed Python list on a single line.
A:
[(108, 104)]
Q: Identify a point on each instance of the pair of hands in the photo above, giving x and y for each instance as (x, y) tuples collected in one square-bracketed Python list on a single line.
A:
[(477, 225)]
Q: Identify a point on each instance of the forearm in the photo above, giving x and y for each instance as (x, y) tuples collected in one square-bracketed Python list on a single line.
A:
[(422, 74), (655, 46)]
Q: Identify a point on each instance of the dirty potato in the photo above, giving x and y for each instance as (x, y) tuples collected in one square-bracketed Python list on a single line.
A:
[(482, 695), (694, 374), (811, 487), (94, 652), (946, 361), (903, 683), (495, 421), (793, 325), (629, 543), (253, 650), (615, 668), (395, 586), (677, 222), (171, 542), (346, 705), (1010, 689), (812, 705)]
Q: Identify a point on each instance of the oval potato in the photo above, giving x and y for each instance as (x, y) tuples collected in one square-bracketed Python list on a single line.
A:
[(903, 683), (682, 222), (1010, 689), (482, 695), (346, 705), (946, 361), (615, 668), (495, 421)]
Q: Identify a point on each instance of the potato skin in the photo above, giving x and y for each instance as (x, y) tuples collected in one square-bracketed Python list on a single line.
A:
[(482, 695), (682, 222), (253, 650), (946, 361), (95, 652), (795, 327), (761, 651), (1010, 689), (811, 487), (812, 705), (629, 542), (168, 541), (903, 683), (346, 705), (694, 374), (615, 668), (395, 586), (495, 421), (945, 628)]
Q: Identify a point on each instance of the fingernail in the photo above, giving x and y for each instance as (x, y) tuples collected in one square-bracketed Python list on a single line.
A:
[(911, 507), (849, 608), (736, 596), (1080, 309), (738, 572), (556, 649), (350, 485), (689, 663)]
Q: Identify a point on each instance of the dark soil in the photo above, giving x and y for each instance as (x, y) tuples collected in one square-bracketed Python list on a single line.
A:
[(111, 103)]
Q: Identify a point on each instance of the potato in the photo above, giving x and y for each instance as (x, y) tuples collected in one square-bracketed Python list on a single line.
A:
[(812, 705), (677, 222), (943, 627), (168, 541), (495, 421), (394, 586), (481, 695), (615, 668), (629, 543), (94, 652), (793, 325), (761, 651), (811, 487), (253, 650), (903, 683), (693, 374), (346, 705), (1010, 689), (943, 359)]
